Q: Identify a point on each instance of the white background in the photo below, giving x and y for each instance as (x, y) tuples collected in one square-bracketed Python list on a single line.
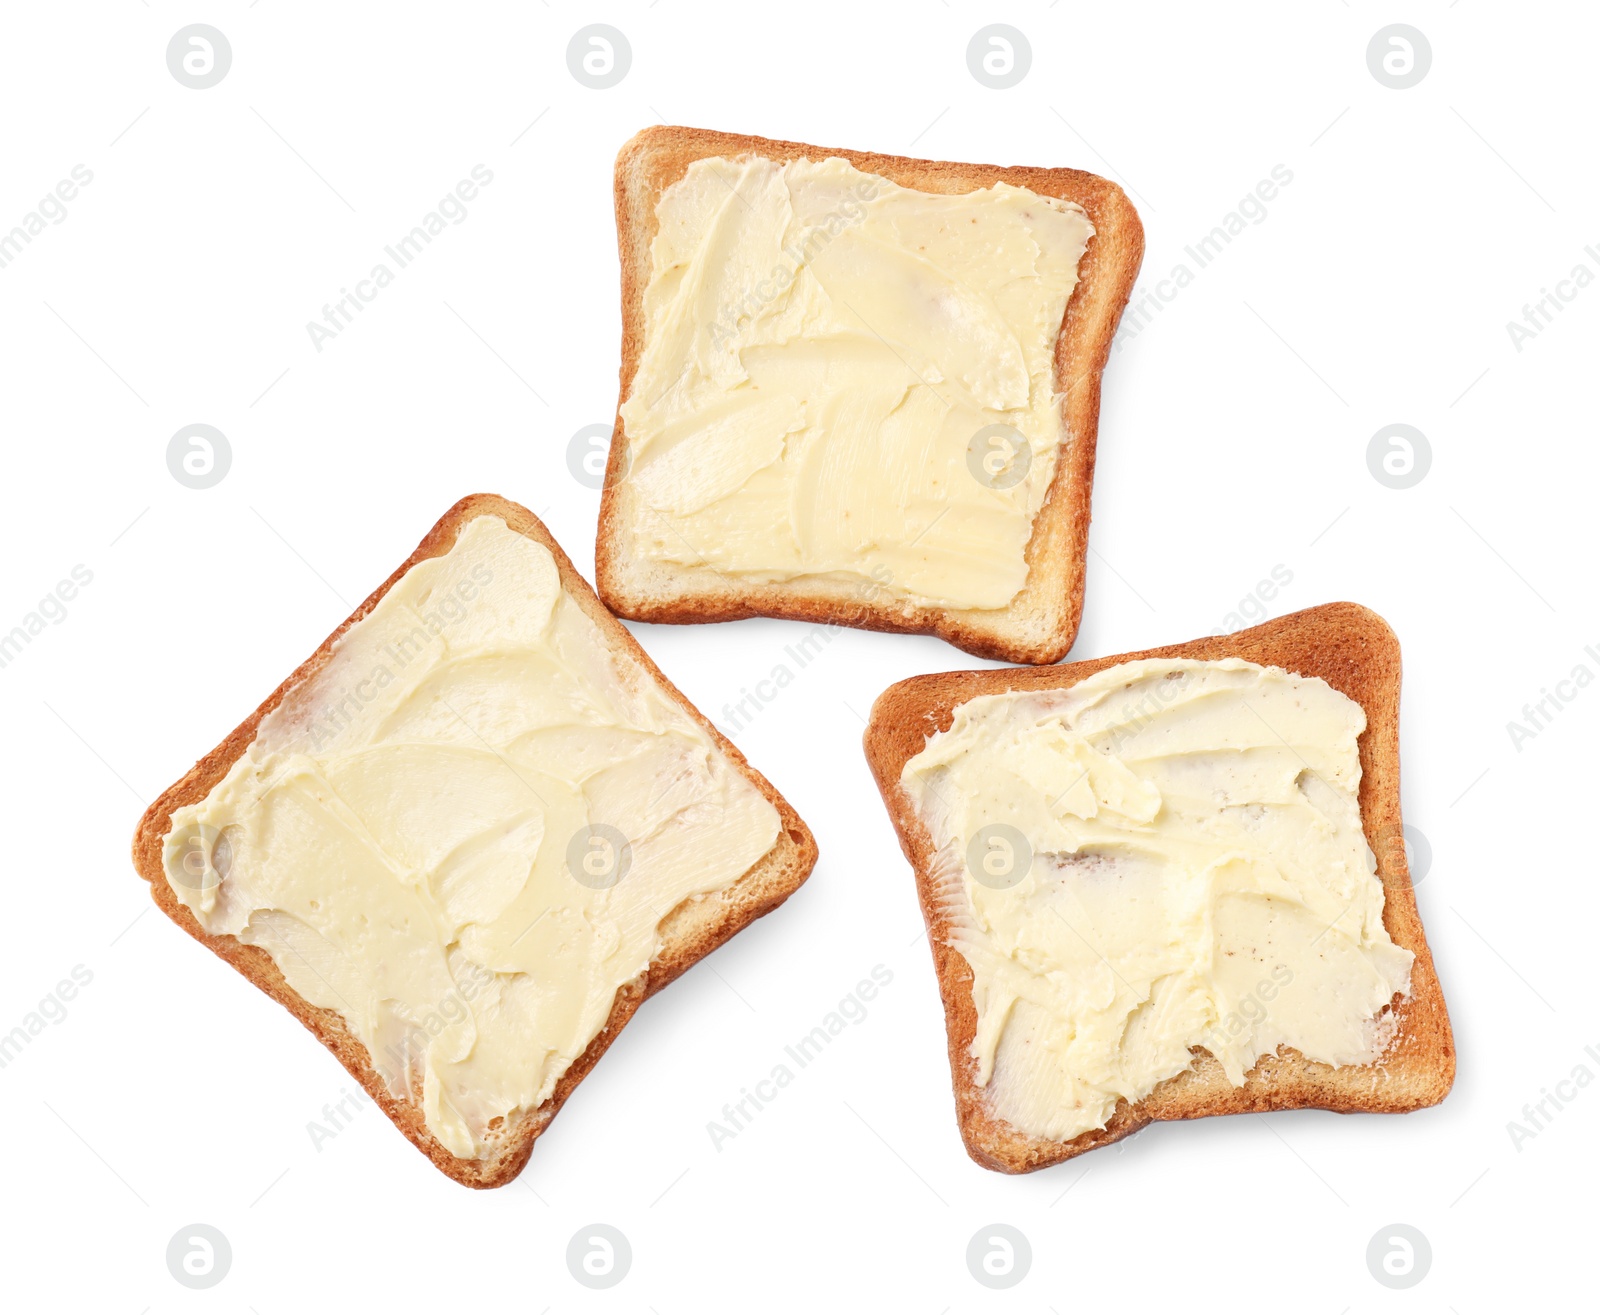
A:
[(1376, 290)]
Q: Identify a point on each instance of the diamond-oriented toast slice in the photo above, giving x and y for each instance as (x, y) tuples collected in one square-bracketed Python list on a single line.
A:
[(319, 698)]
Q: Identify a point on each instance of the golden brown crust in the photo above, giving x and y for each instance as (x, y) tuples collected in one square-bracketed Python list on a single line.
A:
[(1041, 623), (689, 932), (1352, 649)]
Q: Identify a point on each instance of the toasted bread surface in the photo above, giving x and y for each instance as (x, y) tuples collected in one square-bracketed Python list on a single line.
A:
[(1355, 652), (1041, 622), (689, 932)]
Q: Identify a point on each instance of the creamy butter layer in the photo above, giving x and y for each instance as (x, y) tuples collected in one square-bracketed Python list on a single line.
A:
[(1167, 854), (464, 833), (848, 379)]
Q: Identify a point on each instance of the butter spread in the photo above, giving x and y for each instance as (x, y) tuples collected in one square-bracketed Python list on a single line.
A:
[(849, 380), (464, 833), (1167, 854)]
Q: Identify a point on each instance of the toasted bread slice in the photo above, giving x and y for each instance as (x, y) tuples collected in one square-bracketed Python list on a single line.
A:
[(1040, 622), (687, 933), (1355, 652)]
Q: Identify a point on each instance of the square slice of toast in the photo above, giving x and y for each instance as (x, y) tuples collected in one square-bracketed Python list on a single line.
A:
[(1040, 622), (1355, 652), (687, 932)]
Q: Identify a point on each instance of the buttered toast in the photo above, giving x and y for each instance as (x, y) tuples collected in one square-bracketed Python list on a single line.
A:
[(469, 836), (1276, 795), (859, 389)]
